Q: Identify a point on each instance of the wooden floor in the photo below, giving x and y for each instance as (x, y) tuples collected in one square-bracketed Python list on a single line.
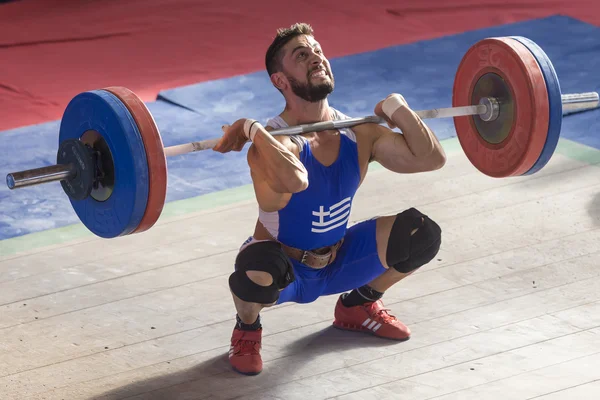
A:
[(509, 310)]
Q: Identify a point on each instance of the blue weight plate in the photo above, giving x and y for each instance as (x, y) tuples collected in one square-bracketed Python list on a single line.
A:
[(554, 98), (118, 205)]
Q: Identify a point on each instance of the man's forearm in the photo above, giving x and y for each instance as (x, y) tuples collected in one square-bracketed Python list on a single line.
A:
[(419, 138), (275, 154), (280, 164)]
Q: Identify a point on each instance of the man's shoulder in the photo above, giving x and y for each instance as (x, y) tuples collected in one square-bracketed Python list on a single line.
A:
[(276, 123), (368, 129), (337, 114), (366, 137)]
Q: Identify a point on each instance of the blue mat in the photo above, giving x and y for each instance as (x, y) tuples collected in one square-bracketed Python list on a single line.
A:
[(423, 72), (46, 206)]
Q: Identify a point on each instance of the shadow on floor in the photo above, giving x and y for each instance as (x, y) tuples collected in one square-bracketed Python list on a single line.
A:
[(214, 378), (593, 209)]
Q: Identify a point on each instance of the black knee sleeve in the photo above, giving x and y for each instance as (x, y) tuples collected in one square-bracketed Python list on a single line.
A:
[(262, 256), (406, 252)]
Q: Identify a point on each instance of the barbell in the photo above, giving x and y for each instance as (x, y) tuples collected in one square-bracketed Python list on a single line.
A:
[(507, 107)]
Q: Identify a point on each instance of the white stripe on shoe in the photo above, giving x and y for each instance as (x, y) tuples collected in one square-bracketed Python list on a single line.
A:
[(371, 324)]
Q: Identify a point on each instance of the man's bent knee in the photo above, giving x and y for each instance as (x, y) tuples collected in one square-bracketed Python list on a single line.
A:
[(414, 241), (265, 257), (261, 278)]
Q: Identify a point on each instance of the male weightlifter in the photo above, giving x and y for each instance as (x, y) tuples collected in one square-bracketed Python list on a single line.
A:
[(301, 247)]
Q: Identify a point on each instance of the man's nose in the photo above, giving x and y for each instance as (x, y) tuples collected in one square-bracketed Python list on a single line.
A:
[(316, 58)]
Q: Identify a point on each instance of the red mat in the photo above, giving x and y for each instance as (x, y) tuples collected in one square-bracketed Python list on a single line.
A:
[(52, 50)]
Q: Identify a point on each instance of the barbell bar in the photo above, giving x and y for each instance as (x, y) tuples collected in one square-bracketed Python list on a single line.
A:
[(488, 110), (61, 172)]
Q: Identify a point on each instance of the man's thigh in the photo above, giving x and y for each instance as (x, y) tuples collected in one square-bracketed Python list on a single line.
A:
[(356, 264), (358, 261), (307, 286)]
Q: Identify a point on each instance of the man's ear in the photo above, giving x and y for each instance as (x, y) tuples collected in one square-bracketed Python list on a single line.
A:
[(279, 81)]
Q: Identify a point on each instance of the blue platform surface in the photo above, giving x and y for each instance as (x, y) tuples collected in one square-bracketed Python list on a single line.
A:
[(423, 72)]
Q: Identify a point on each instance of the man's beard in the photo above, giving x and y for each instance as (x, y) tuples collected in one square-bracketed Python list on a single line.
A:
[(309, 91)]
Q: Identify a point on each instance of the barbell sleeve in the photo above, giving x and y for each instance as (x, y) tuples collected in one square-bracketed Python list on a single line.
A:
[(487, 109), (579, 102), (38, 176)]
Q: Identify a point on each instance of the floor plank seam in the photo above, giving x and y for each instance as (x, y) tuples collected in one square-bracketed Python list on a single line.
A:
[(381, 358), (481, 358), (524, 372), (266, 335), (121, 277), (565, 389), (468, 260), (235, 249), (282, 306)]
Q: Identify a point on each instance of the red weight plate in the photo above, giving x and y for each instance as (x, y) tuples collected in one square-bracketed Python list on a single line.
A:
[(522, 125), (157, 162)]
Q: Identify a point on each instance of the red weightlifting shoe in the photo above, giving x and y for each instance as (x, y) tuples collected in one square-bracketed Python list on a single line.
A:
[(371, 318), (244, 352)]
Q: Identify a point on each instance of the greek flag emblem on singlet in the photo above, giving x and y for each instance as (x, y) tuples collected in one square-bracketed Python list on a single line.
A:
[(335, 216)]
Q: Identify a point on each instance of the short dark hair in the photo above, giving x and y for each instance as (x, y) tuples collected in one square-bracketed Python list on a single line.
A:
[(284, 35)]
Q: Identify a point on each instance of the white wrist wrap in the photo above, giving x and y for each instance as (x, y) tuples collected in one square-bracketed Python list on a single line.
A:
[(391, 104), (250, 128)]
